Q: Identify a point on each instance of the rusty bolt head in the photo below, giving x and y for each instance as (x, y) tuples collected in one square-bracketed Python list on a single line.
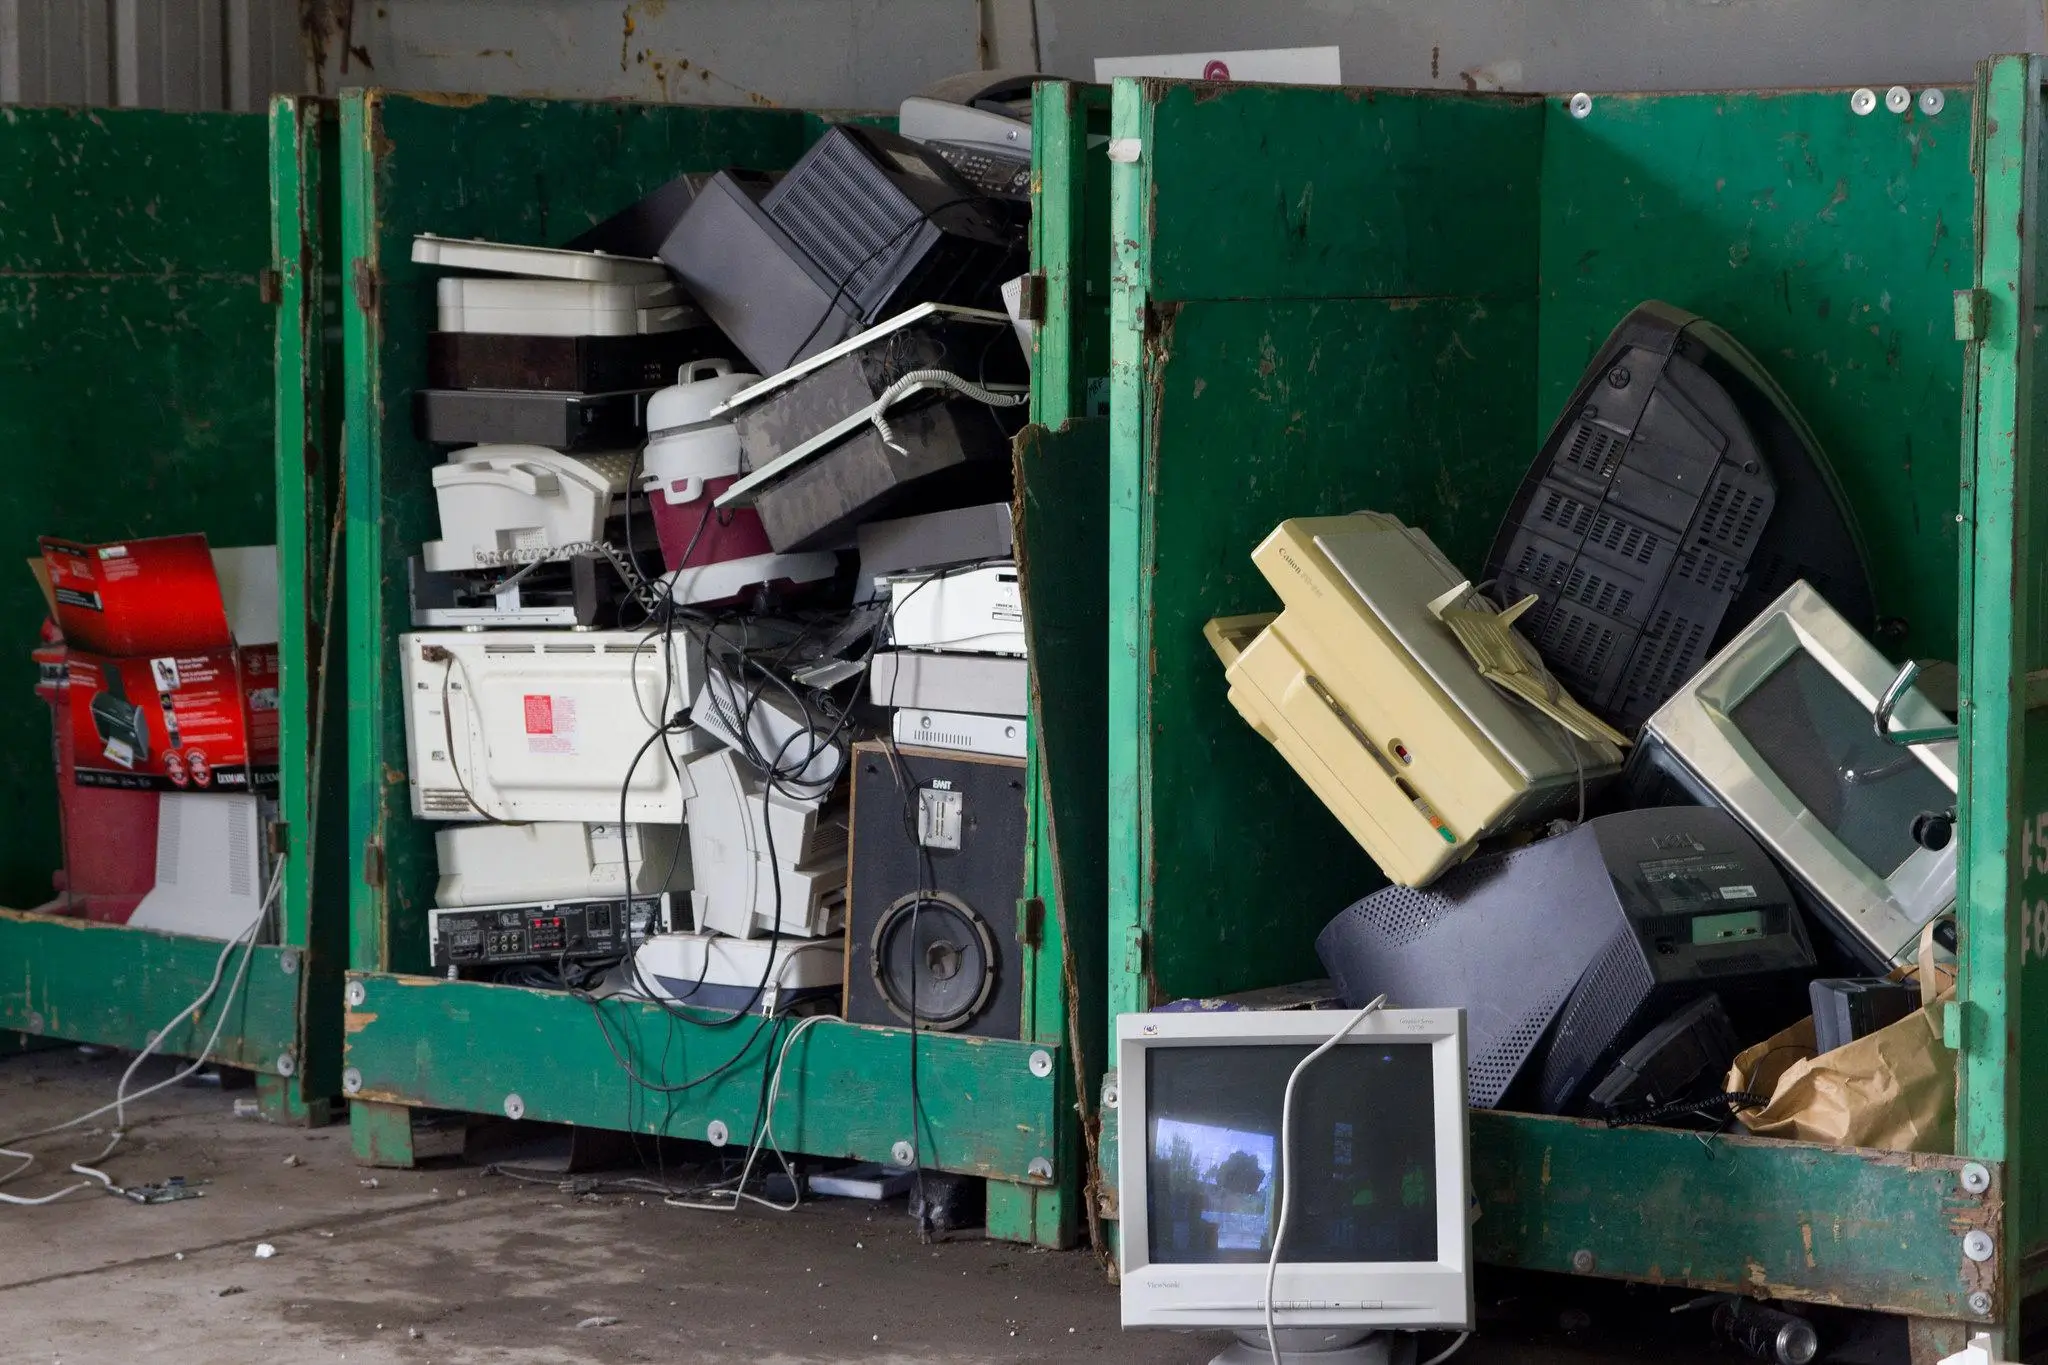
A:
[(1583, 1261), (1980, 1304), (351, 1081)]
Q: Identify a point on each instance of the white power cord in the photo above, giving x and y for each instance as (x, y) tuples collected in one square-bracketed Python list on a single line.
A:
[(122, 1099), (765, 1137), (1280, 1166), (1447, 1352), (944, 379)]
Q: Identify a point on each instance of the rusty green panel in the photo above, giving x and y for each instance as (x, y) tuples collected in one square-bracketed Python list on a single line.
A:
[(511, 170), (1782, 1220), (313, 697), (1239, 397), (1277, 192), (2003, 1099), (468, 1046), (112, 985), (1070, 250), (134, 373), (1259, 411), (1829, 244)]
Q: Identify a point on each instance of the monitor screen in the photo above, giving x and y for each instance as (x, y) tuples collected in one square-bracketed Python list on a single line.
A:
[(1819, 740), (1363, 1164)]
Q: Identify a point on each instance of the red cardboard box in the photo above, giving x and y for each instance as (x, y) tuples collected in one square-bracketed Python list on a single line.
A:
[(161, 694)]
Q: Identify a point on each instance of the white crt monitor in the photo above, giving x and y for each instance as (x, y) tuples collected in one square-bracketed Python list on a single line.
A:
[(1377, 1236)]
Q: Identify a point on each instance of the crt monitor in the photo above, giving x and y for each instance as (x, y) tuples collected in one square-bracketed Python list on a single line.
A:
[(1780, 729), (1377, 1235)]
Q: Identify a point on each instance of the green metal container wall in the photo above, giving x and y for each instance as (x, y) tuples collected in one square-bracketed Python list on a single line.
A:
[(1332, 300)]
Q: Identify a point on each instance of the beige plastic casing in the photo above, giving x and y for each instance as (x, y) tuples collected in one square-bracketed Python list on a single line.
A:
[(1327, 632)]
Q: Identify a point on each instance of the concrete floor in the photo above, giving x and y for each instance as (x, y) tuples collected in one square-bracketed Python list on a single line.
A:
[(454, 1266)]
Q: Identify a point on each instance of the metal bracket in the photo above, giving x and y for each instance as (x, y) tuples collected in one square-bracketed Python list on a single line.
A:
[(1881, 719), (1973, 314)]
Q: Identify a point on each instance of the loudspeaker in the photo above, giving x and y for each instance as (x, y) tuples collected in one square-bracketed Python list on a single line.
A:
[(937, 870)]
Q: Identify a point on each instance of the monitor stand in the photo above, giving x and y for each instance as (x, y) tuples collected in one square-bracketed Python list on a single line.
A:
[(1321, 1346)]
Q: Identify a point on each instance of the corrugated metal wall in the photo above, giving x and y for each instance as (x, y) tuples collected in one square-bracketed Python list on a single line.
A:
[(163, 54)]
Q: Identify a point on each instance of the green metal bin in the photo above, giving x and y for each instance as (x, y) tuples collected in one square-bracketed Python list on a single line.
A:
[(148, 292), (1334, 299), (521, 170)]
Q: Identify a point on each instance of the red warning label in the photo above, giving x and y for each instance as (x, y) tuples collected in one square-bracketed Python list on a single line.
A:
[(540, 715)]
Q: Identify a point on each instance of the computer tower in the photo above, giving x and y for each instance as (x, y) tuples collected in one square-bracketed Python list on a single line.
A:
[(937, 870), (1677, 494), (1564, 952)]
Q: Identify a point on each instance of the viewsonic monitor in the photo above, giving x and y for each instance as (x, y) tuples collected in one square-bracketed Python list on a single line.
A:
[(1378, 1236)]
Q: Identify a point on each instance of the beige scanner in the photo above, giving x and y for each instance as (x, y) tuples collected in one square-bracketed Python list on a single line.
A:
[(1369, 695)]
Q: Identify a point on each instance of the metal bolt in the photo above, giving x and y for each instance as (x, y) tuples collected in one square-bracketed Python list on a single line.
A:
[(1041, 1062), (903, 1154), (1863, 101), (1978, 1246), (1617, 378), (288, 962), (1898, 99), (1110, 1097), (716, 1133), (1980, 1304), (286, 1063), (1584, 1261), (356, 993), (1581, 104), (1931, 102), (1976, 1177), (1039, 1169), (35, 1022), (351, 1081), (515, 1108)]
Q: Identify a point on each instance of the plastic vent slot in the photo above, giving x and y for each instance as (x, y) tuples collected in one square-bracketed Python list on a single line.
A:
[(241, 873), (1595, 451), (1573, 644), (1538, 565), (1624, 539), (1608, 996), (1603, 595), (442, 799), (844, 215), (1487, 1078), (1568, 514)]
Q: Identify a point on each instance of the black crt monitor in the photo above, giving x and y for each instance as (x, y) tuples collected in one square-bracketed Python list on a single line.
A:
[(1678, 493)]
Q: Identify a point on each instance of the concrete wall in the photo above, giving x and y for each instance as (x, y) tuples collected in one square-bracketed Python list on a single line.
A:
[(1562, 45), (870, 53)]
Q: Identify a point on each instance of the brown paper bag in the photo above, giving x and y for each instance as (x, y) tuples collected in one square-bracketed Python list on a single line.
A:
[(1894, 1089)]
